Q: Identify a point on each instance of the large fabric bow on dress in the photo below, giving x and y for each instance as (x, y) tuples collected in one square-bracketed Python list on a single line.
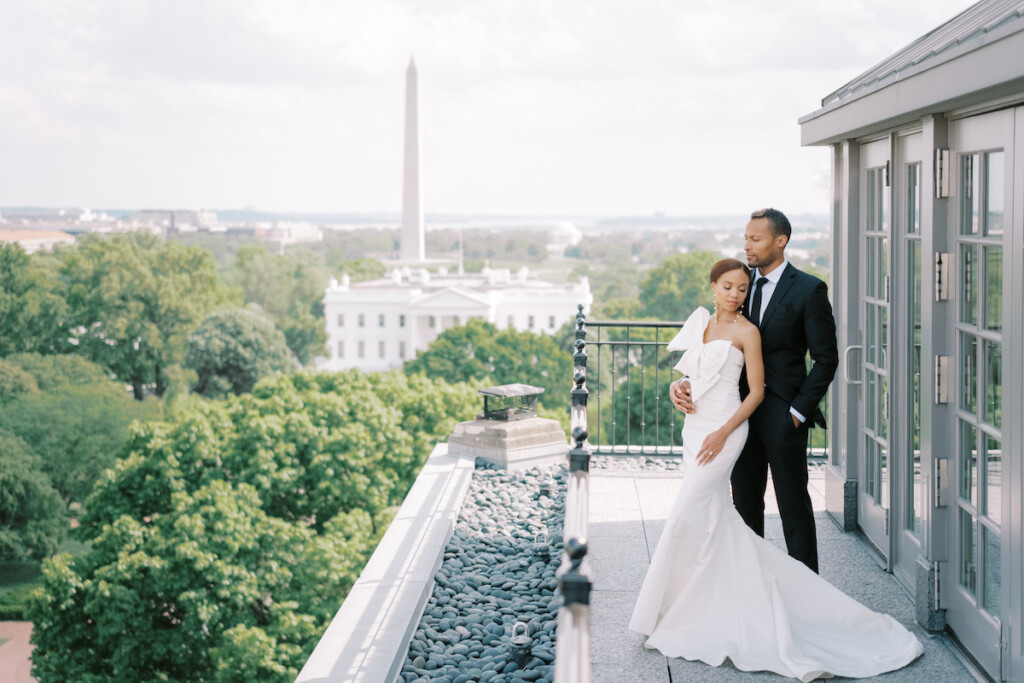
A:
[(701, 362)]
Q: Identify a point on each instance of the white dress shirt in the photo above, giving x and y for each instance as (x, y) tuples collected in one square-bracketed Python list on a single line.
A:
[(767, 289)]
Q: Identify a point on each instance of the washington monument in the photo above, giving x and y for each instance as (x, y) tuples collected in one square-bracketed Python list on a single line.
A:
[(413, 249)]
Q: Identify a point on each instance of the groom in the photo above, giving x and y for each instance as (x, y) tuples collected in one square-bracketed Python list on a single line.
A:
[(792, 310)]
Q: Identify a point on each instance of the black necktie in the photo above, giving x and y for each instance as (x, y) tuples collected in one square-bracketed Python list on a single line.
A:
[(755, 306)]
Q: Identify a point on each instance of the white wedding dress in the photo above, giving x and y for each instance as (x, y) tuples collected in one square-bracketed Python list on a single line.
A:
[(715, 589)]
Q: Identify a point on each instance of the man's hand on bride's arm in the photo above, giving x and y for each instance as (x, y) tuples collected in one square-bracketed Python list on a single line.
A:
[(679, 394), (712, 446)]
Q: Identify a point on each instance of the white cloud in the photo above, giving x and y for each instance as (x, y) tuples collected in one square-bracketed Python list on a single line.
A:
[(569, 106)]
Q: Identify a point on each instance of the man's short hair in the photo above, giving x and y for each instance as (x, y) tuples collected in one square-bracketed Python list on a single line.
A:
[(777, 221)]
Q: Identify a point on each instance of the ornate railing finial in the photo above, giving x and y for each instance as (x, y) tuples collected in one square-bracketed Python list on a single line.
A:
[(579, 455)]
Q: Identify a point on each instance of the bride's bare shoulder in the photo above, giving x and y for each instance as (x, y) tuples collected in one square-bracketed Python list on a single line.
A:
[(748, 333)]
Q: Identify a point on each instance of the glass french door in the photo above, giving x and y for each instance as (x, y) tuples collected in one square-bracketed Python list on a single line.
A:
[(874, 293), (980, 231), (908, 494)]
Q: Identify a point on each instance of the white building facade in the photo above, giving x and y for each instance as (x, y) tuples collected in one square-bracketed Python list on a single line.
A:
[(380, 324)]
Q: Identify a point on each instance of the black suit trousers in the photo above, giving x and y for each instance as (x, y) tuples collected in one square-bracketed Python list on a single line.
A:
[(773, 441)]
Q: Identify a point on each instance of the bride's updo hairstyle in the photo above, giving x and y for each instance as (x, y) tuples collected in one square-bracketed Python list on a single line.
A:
[(727, 265)]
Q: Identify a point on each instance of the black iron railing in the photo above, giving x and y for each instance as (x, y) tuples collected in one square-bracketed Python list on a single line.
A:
[(627, 367)]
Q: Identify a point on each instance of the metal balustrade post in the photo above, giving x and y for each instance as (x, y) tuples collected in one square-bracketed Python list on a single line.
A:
[(572, 653)]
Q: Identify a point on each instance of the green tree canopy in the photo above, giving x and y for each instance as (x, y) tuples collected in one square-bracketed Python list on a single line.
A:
[(33, 521), (224, 539), (679, 284), (290, 288), (15, 382), (32, 314), (231, 350), (133, 299), (478, 351), (52, 372), (76, 423)]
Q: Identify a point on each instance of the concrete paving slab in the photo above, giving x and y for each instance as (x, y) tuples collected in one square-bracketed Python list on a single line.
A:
[(654, 529), (618, 563), (612, 643), (626, 528), (684, 670), (658, 495)]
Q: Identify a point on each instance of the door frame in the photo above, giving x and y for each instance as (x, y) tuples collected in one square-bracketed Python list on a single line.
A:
[(905, 546), (873, 517)]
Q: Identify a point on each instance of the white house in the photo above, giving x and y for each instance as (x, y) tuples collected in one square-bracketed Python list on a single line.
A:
[(378, 325)]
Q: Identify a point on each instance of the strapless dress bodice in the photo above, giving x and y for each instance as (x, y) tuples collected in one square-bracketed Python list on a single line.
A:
[(705, 363)]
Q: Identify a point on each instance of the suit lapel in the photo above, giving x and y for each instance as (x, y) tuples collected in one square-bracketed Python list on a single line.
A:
[(785, 282)]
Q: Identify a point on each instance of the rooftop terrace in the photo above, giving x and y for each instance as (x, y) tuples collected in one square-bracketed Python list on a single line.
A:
[(628, 509), (614, 507)]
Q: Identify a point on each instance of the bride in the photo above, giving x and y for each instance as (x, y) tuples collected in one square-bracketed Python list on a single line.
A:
[(715, 589)]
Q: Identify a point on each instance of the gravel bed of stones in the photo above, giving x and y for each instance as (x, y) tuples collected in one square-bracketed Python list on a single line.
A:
[(491, 579), (661, 463)]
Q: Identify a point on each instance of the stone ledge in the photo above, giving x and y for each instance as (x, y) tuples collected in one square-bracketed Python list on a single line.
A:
[(369, 636)]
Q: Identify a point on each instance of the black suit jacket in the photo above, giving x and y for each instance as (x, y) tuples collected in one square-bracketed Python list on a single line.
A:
[(799, 320)]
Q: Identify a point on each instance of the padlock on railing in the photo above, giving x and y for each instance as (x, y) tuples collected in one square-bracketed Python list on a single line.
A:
[(521, 646), (540, 548)]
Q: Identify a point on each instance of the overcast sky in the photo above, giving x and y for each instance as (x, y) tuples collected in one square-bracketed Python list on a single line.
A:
[(568, 107)]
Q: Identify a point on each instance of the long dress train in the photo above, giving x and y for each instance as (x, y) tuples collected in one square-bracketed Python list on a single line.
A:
[(715, 589)]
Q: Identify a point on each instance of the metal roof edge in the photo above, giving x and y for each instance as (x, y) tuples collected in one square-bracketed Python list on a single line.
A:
[(978, 42)]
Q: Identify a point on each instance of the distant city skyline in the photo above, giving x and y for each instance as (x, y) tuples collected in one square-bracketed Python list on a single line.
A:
[(533, 108)]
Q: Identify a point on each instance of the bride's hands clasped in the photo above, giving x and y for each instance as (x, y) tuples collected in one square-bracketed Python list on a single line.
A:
[(712, 446)]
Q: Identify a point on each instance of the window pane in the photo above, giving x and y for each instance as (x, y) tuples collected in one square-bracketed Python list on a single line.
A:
[(872, 201), (872, 271), (993, 288), (913, 199), (869, 467), (969, 194), (968, 463), (994, 193), (869, 400), (968, 548), (993, 571), (869, 334), (883, 336), (993, 480), (994, 384), (883, 213), (883, 268), (969, 283), (883, 468), (969, 373), (883, 408), (915, 499)]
